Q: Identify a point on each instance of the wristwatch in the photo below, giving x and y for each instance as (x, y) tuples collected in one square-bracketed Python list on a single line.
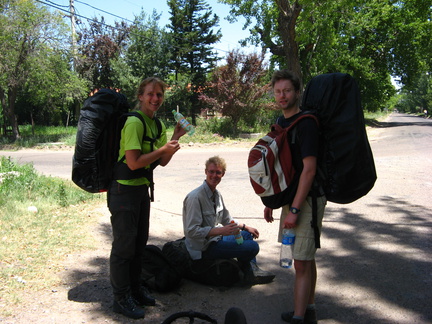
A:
[(294, 210)]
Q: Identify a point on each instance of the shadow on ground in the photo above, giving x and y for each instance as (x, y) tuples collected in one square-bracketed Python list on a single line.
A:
[(386, 261)]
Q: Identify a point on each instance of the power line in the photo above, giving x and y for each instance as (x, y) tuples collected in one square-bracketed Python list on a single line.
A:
[(64, 6), (59, 7), (53, 5), (103, 11)]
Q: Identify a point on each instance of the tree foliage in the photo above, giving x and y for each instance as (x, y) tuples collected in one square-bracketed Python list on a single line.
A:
[(146, 53), (51, 90), (192, 31), (410, 56), (31, 37), (97, 46), (237, 88), (369, 39), (418, 98)]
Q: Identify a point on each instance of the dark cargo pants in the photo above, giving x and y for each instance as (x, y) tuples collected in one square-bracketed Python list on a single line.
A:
[(130, 213)]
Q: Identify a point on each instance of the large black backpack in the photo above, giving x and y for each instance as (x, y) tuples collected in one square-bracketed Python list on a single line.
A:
[(163, 269), (346, 169), (217, 272), (346, 166), (97, 144), (158, 271)]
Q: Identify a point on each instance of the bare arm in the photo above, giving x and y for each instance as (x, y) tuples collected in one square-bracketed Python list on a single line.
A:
[(305, 184), (136, 160)]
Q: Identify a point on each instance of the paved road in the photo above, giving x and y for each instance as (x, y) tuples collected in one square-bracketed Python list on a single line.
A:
[(375, 262)]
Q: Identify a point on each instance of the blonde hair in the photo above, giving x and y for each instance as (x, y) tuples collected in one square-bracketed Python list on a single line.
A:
[(218, 161), (149, 80)]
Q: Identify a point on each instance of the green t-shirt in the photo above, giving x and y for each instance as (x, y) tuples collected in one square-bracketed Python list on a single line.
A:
[(131, 139)]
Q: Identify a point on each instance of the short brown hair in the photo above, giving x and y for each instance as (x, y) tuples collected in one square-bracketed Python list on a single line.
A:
[(286, 75)]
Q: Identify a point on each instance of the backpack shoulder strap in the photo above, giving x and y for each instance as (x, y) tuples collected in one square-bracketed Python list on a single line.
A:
[(148, 173), (159, 127), (291, 128), (152, 140), (137, 115), (302, 115)]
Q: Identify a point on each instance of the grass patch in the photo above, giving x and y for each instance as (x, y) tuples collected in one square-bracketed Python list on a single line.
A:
[(372, 119), (42, 219), (207, 131), (41, 135)]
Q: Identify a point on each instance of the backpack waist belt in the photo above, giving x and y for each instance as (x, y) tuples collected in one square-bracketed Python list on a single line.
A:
[(122, 172)]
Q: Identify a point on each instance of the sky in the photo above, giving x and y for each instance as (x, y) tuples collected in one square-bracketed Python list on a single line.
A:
[(127, 9)]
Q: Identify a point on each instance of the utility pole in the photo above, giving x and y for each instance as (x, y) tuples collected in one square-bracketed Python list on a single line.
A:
[(73, 22), (74, 54)]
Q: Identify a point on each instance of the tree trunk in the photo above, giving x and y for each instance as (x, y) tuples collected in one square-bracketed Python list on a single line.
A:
[(77, 109), (8, 104), (32, 123), (287, 18)]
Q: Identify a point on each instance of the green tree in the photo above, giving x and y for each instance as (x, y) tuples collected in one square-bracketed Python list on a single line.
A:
[(192, 31), (368, 39), (236, 88), (274, 27), (418, 97), (147, 53), (178, 95), (411, 48), (51, 90), (359, 45), (28, 32), (97, 45)]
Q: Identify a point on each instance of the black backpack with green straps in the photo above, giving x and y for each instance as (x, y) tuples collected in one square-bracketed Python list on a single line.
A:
[(101, 120)]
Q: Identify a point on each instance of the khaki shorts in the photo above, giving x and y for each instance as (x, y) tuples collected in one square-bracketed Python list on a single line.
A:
[(304, 245)]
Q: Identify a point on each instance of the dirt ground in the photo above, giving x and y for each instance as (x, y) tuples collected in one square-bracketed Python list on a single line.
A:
[(373, 267), (84, 294)]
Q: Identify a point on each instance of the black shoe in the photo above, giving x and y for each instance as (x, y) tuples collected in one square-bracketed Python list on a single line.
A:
[(142, 297), (310, 317), (128, 308), (235, 315), (256, 276)]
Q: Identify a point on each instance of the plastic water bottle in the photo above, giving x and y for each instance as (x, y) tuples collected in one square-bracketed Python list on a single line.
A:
[(238, 236), (288, 238), (188, 127)]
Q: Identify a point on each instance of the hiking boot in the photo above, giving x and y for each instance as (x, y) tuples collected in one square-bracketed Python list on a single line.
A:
[(297, 321), (309, 318), (128, 308), (142, 297), (235, 315), (256, 276)]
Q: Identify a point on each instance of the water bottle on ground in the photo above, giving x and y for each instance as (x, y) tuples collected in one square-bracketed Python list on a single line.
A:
[(288, 238), (188, 127), (238, 236)]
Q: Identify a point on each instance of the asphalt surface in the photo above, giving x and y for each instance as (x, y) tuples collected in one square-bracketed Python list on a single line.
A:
[(375, 262)]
